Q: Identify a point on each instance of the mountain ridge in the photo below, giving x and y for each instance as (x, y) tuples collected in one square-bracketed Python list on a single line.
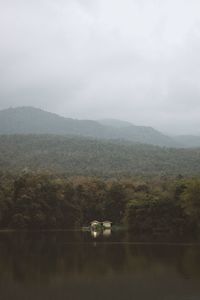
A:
[(31, 120)]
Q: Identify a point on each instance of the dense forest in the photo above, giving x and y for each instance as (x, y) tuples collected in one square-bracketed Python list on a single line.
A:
[(60, 182), (90, 157), (47, 201)]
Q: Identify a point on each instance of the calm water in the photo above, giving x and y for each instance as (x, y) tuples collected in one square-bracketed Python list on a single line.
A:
[(73, 265)]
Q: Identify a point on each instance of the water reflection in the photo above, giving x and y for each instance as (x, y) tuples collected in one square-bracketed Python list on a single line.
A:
[(65, 265), (107, 232), (97, 233)]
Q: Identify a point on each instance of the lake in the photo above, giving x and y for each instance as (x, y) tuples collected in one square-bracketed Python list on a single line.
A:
[(74, 265)]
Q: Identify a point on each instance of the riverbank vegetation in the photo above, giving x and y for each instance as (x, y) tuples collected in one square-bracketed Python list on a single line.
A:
[(35, 201)]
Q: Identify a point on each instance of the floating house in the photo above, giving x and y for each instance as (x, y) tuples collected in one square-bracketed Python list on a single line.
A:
[(95, 225), (98, 228)]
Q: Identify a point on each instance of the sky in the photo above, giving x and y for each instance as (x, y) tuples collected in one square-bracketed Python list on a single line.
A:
[(134, 60)]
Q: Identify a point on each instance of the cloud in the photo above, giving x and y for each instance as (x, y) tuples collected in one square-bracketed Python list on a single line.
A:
[(136, 60)]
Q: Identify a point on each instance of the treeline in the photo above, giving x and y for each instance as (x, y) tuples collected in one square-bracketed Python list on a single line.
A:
[(46, 201), (89, 157)]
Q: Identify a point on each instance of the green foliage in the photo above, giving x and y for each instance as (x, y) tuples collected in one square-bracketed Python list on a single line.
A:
[(155, 216), (190, 199), (88, 157), (45, 201), (115, 203)]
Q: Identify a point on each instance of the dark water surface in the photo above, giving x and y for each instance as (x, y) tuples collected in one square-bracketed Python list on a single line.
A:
[(73, 265)]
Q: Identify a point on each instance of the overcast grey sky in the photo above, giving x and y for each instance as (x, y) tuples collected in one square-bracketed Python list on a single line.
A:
[(135, 60)]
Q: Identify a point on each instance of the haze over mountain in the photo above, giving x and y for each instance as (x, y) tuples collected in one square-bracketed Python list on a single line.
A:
[(134, 60), (29, 120), (188, 141), (115, 123)]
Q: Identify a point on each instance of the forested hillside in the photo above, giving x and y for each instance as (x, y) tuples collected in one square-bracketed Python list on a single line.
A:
[(83, 156)]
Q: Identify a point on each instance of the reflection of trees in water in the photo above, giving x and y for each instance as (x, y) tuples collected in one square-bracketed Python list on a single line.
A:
[(182, 259), (46, 257)]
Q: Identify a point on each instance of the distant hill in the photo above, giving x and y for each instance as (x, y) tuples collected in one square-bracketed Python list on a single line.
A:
[(188, 141), (29, 120), (86, 156), (115, 123)]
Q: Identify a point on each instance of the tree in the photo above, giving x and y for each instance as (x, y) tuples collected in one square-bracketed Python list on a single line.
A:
[(190, 199)]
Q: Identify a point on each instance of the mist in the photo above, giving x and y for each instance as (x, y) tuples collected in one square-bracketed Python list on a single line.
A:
[(92, 59)]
